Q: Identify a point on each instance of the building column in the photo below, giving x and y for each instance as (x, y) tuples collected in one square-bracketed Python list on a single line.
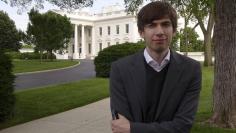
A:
[(76, 52), (93, 45), (83, 49)]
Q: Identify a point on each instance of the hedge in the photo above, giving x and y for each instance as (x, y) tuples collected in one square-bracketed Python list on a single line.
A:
[(108, 55), (7, 98), (27, 55)]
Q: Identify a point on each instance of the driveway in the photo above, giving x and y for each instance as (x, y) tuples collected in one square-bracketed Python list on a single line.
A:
[(83, 71)]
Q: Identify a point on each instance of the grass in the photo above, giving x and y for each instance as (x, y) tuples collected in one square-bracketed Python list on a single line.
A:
[(40, 102), (21, 66), (204, 109), (198, 128), (205, 105)]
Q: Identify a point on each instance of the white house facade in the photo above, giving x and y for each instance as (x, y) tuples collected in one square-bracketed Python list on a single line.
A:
[(94, 32)]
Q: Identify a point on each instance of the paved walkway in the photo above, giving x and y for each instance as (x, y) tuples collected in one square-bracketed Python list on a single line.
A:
[(92, 118), (83, 71)]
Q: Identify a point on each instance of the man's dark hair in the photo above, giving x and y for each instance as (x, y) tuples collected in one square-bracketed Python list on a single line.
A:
[(154, 11)]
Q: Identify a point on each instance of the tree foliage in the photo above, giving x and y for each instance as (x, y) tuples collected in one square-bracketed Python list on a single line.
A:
[(202, 11), (174, 43), (189, 41), (9, 37), (49, 31), (63, 4)]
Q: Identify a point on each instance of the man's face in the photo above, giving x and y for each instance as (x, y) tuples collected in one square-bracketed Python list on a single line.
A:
[(158, 35)]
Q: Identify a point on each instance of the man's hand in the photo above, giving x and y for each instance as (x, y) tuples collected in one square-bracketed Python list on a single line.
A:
[(121, 125)]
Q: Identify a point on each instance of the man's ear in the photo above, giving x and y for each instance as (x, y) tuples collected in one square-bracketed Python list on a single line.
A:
[(141, 34)]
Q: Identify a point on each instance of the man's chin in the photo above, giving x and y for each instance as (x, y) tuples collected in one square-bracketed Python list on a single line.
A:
[(160, 50)]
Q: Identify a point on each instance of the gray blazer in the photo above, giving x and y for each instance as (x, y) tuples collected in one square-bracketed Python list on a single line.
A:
[(179, 98)]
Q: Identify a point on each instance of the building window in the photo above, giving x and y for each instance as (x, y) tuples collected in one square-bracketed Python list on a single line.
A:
[(117, 29), (108, 30), (89, 48), (127, 28), (89, 32), (100, 31), (108, 44), (100, 46)]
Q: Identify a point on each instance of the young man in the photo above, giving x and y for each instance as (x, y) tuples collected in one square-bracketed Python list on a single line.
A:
[(155, 90)]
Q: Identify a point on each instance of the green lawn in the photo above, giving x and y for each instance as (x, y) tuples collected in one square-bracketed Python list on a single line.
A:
[(205, 105), (37, 103), (21, 66), (40, 102)]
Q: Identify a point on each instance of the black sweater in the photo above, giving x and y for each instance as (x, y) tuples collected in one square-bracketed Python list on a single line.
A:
[(154, 86)]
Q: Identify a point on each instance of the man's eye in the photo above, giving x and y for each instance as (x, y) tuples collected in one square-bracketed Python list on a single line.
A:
[(150, 25), (166, 24)]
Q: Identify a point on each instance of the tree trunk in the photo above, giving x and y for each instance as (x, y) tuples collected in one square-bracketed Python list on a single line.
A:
[(224, 91), (207, 40), (48, 55), (41, 55), (207, 50), (51, 55)]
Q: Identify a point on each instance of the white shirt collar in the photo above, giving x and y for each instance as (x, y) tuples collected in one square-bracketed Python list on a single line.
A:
[(154, 64)]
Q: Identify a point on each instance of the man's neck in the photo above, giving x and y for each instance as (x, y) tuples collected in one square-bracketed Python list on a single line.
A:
[(158, 57)]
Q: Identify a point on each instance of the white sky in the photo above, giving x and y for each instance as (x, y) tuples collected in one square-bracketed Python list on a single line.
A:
[(22, 20)]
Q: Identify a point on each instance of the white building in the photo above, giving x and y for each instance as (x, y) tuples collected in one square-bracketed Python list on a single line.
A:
[(94, 32)]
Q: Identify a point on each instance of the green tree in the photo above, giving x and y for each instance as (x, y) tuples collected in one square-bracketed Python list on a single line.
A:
[(198, 46), (9, 37), (175, 40), (50, 31), (188, 40), (63, 4), (203, 12), (224, 90)]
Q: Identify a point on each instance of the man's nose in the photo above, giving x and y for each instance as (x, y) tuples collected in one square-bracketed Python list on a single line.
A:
[(159, 30)]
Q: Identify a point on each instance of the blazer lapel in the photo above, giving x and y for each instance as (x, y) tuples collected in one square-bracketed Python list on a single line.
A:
[(173, 74)]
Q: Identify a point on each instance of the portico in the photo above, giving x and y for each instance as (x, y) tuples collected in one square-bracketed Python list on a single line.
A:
[(82, 45), (94, 32)]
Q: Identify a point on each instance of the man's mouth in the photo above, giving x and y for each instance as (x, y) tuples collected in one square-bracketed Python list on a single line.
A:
[(159, 40)]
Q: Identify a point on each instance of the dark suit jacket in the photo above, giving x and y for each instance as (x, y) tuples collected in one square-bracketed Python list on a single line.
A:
[(178, 101)]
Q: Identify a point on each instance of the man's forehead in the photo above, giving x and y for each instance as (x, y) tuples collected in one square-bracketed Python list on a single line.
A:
[(161, 20)]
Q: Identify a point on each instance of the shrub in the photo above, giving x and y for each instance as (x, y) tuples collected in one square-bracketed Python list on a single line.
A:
[(27, 55), (7, 99), (14, 55), (108, 55)]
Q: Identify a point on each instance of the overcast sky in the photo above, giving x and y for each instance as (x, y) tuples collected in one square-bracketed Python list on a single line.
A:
[(22, 20)]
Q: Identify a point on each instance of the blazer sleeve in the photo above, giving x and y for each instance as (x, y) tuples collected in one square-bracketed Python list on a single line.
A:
[(118, 97), (184, 117)]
